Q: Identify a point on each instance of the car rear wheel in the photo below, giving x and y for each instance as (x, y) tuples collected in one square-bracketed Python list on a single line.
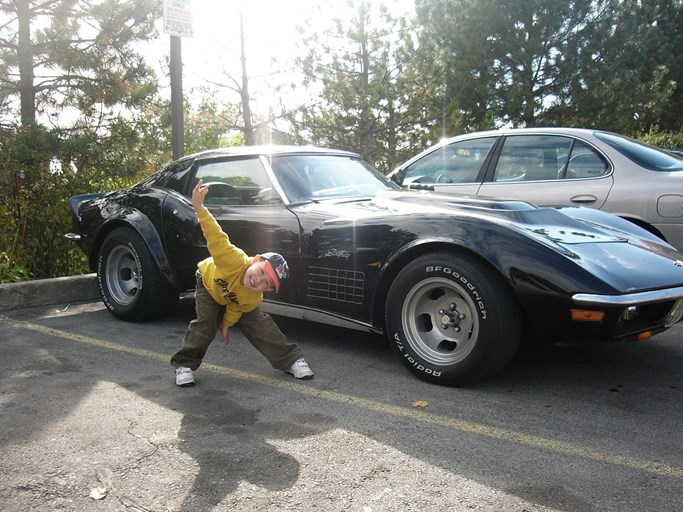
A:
[(451, 319), (129, 280)]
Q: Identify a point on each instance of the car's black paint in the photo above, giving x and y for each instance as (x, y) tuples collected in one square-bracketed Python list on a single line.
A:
[(345, 254)]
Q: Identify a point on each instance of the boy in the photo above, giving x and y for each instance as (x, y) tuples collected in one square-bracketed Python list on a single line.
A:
[(232, 284)]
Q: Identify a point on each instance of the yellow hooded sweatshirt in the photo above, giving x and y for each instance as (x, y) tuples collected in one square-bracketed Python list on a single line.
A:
[(223, 271)]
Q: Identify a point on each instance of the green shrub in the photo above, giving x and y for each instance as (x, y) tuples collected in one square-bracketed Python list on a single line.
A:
[(665, 140), (10, 272), (39, 171)]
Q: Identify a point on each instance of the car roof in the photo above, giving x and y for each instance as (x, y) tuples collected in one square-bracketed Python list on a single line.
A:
[(519, 131), (266, 150)]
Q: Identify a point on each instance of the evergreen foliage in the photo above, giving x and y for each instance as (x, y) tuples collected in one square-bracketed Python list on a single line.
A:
[(71, 92), (366, 102)]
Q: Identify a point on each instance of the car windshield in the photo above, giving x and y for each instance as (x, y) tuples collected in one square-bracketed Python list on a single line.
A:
[(315, 177), (646, 156)]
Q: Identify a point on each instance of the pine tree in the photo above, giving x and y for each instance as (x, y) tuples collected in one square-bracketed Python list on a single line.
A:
[(74, 57), (356, 69)]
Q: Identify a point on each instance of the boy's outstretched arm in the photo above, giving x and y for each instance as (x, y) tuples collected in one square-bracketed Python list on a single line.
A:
[(198, 194)]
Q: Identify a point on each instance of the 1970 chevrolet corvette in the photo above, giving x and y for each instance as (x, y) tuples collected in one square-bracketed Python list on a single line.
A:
[(453, 281)]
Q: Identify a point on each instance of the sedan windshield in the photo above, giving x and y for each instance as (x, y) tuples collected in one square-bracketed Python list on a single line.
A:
[(315, 177), (646, 156)]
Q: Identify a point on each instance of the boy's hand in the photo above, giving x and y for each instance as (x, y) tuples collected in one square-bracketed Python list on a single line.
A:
[(225, 335), (198, 194)]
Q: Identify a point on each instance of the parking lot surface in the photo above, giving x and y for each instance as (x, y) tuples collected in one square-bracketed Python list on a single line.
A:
[(91, 420)]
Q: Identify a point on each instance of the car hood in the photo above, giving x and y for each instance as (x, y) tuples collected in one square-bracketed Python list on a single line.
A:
[(619, 253), (548, 224)]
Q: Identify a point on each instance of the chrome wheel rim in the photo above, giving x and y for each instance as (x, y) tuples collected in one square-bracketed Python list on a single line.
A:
[(123, 275), (440, 321)]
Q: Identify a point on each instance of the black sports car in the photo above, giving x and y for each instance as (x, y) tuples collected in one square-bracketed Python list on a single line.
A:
[(453, 281)]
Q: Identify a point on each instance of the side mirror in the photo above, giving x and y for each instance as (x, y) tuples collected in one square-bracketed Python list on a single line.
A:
[(420, 186)]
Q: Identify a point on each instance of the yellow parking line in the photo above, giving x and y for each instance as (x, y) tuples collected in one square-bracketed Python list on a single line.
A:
[(577, 450)]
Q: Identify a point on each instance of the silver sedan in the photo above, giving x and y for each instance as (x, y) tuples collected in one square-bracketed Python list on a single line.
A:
[(559, 166)]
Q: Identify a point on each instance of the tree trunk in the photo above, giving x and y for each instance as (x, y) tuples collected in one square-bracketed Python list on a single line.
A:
[(249, 138), (366, 125), (25, 56)]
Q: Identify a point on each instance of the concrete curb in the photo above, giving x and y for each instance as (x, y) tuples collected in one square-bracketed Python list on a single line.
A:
[(42, 292)]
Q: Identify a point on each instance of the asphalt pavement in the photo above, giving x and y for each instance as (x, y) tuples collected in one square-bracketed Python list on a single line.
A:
[(91, 420)]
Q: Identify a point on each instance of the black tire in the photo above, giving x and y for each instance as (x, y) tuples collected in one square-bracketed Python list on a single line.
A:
[(130, 282), (451, 319)]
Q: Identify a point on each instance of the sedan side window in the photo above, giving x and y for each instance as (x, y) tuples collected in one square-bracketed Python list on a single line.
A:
[(532, 158), (240, 181), (584, 162), (459, 162)]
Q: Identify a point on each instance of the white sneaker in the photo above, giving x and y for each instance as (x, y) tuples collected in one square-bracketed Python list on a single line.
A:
[(184, 377), (301, 370)]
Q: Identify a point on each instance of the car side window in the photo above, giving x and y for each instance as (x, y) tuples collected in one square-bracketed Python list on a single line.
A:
[(459, 162), (532, 158), (584, 162), (174, 176), (237, 182)]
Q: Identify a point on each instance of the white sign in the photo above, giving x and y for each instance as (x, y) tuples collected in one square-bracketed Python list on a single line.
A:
[(178, 18)]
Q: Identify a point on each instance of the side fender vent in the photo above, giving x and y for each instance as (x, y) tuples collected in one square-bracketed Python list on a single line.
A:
[(336, 284)]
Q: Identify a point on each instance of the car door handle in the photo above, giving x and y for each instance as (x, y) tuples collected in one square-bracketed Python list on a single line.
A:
[(587, 199)]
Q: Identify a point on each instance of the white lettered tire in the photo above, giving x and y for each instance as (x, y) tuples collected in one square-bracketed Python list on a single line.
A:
[(130, 282), (452, 319)]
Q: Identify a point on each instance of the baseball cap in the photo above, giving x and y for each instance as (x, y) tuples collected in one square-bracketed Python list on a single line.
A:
[(276, 267)]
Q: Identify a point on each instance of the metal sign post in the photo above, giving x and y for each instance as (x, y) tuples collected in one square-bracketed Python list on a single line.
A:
[(177, 23)]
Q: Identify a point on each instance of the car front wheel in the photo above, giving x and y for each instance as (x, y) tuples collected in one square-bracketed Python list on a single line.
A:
[(129, 280), (451, 319)]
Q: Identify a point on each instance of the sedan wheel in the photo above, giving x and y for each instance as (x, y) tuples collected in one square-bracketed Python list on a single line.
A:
[(130, 282), (451, 319)]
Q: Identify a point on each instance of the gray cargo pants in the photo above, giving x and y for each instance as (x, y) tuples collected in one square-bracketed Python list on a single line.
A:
[(257, 326)]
